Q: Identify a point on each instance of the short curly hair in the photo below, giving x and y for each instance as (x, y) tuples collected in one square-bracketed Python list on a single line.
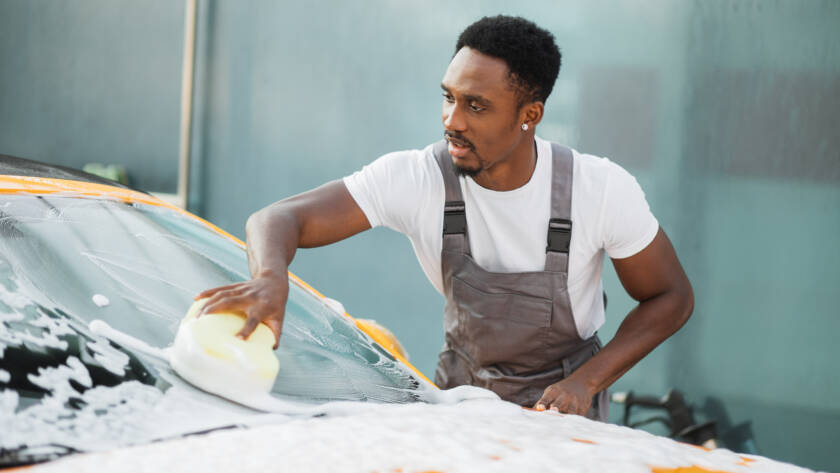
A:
[(530, 52)]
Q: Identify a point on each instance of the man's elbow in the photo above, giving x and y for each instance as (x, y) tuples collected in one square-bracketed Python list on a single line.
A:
[(267, 217), (256, 221), (683, 304)]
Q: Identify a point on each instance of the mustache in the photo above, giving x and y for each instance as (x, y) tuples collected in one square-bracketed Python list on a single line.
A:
[(450, 135)]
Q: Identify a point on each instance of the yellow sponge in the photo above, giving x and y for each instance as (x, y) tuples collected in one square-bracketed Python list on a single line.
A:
[(208, 354)]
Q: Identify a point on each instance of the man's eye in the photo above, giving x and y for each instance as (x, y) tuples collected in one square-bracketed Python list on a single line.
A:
[(476, 108), (448, 98)]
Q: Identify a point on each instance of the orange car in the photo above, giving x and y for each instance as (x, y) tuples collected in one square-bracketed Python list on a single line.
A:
[(75, 248)]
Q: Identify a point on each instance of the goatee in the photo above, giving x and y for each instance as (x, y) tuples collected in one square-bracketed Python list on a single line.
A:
[(462, 171)]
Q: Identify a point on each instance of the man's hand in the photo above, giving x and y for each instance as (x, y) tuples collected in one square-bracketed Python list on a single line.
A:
[(568, 396), (262, 299)]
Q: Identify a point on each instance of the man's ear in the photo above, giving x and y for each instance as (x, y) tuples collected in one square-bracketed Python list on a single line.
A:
[(532, 113)]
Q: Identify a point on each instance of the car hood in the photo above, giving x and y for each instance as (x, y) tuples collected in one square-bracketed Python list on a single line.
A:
[(471, 436)]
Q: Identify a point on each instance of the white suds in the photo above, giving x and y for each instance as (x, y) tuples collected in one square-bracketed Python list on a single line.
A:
[(473, 436), (109, 357), (100, 300), (334, 305), (8, 404), (58, 378), (101, 328), (49, 328)]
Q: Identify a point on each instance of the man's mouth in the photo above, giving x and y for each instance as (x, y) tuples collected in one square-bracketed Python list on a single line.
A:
[(458, 147)]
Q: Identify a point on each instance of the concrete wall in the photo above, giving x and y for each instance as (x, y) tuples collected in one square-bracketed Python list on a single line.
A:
[(726, 111), (93, 81)]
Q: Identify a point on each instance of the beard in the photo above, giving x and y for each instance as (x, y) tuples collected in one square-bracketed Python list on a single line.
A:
[(460, 170), (471, 172)]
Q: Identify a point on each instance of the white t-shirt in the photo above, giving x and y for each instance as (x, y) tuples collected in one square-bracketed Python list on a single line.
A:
[(404, 191)]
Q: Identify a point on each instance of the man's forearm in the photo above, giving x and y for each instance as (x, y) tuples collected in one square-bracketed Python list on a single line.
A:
[(272, 235), (314, 218), (644, 328)]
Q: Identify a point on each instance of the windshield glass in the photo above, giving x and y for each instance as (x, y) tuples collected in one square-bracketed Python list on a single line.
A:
[(65, 261)]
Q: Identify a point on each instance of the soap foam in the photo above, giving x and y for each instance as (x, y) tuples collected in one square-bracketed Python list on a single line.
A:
[(472, 436)]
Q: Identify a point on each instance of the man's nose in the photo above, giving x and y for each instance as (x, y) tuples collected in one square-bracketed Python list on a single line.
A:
[(453, 118)]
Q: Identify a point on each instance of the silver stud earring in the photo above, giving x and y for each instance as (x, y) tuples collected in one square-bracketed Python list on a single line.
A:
[(524, 127)]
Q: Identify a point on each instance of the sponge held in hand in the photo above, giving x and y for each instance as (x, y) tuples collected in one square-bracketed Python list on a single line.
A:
[(207, 353)]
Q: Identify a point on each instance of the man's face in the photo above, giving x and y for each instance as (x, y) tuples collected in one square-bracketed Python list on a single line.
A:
[(480, 111)]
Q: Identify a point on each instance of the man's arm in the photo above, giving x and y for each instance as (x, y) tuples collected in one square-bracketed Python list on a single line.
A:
[(314, 218), (655, 278)]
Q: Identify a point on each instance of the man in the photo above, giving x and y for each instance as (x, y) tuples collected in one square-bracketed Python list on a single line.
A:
[(510, 228)]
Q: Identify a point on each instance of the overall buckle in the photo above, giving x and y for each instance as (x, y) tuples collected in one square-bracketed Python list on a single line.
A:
[(454, 217), (559, 235)]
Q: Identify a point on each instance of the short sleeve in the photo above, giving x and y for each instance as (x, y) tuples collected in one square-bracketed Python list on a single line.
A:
[(391, 190), (627, 222)]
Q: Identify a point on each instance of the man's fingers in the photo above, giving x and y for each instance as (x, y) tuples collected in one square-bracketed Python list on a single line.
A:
[(261, 299), (560, 404), (565, 396), (545, 400), (554, 400), (254, 319), (212, 291), (223, 302), (250, 325), (276, 326), (236, 301), (570, 405)]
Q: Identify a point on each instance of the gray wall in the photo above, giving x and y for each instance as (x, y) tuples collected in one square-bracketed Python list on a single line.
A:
[(93, 81), (726, 111)]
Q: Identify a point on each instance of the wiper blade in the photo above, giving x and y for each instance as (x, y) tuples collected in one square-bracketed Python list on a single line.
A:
[(29, 455)]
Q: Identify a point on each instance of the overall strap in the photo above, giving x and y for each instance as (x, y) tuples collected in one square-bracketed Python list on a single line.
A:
[(454, 211), (560, 223)]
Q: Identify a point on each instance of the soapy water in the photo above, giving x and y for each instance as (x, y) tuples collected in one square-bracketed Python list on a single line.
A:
[(473, 436), (64, 388)]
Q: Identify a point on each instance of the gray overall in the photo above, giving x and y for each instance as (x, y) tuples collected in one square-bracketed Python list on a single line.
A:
[(512, 333)]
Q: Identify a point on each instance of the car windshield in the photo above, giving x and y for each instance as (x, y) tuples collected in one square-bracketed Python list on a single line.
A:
[(65, 261)]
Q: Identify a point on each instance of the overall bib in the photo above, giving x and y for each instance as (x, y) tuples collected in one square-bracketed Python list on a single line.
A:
[(512, 333)]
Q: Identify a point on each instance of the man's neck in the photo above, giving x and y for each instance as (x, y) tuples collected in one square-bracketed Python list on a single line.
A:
[(514, 171)]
